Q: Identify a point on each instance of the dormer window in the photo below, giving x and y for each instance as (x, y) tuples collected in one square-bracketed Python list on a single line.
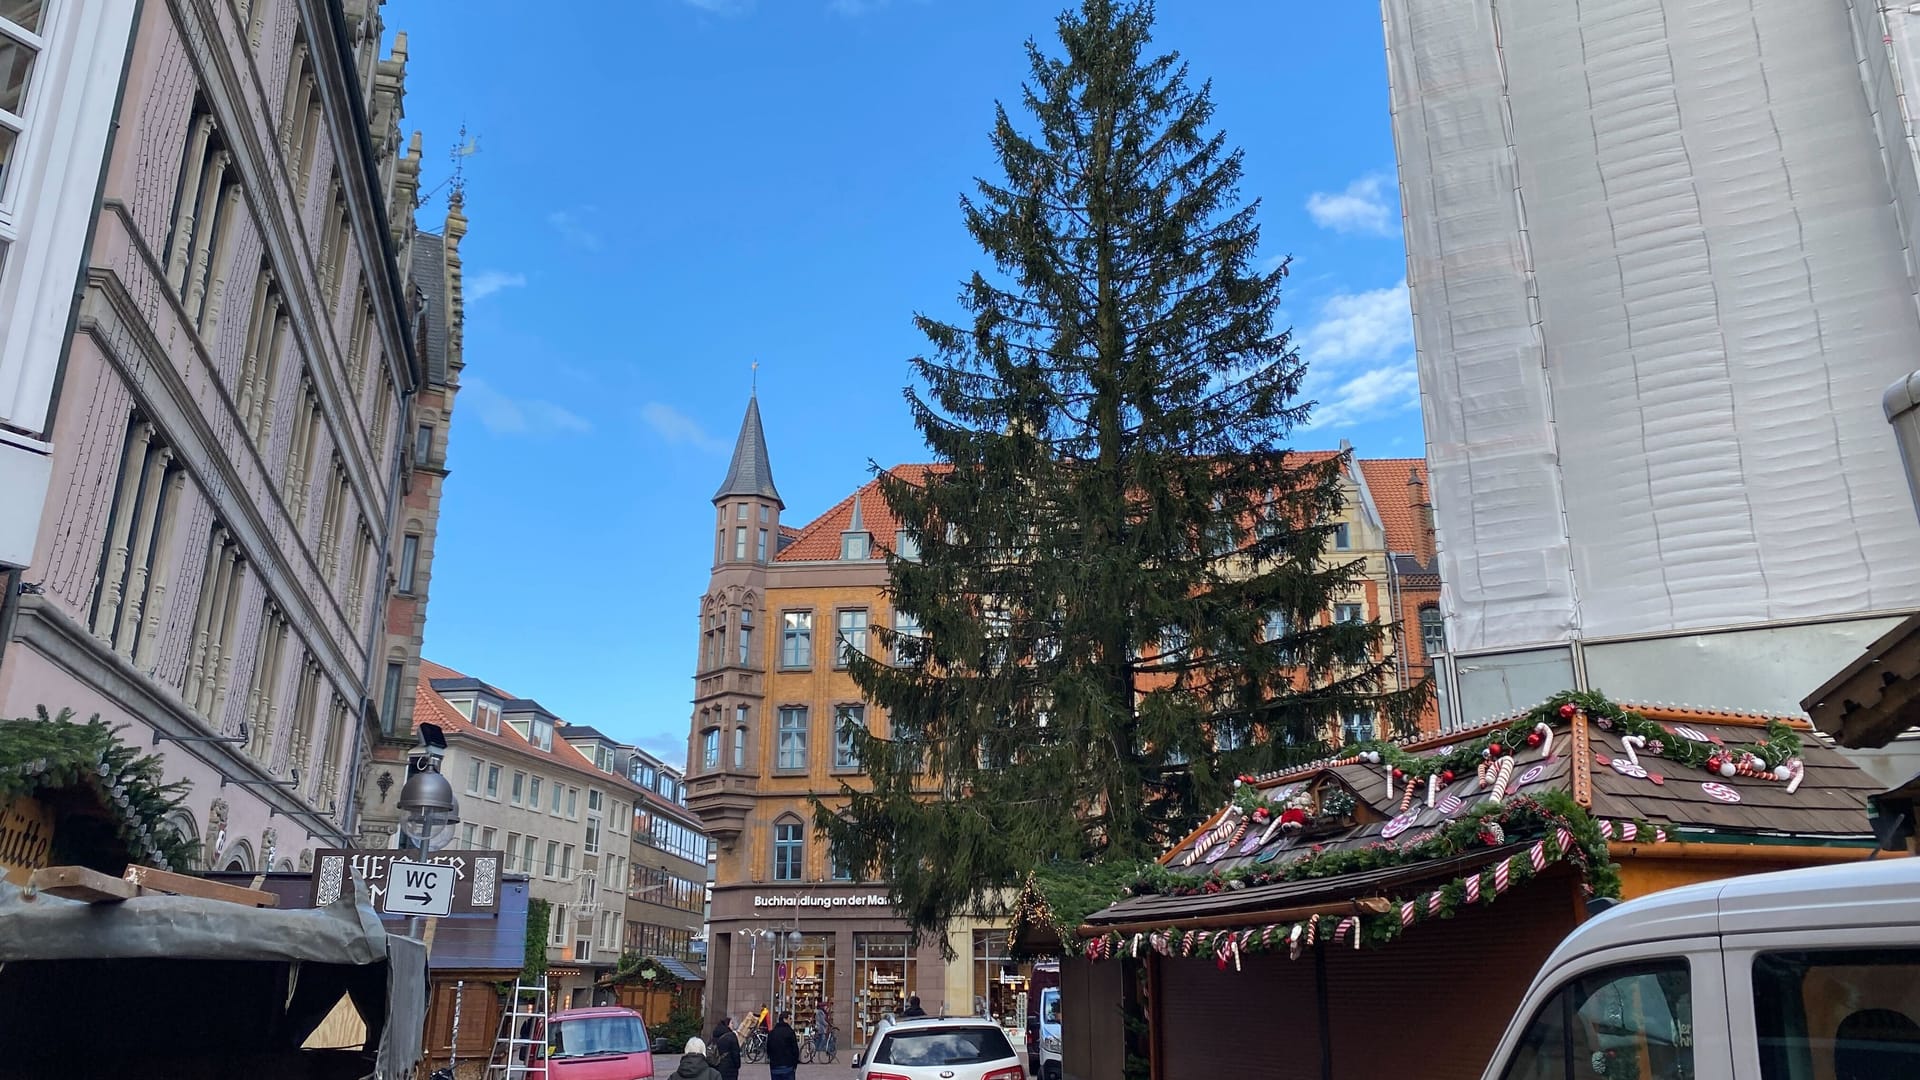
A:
[(540, 733), (486, 717), (855, 546)]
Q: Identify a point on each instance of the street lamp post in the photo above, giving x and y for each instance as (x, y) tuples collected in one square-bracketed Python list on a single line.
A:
[(427, 798)]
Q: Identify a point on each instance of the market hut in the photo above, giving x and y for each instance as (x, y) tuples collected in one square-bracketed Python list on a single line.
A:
[(1334, 903)]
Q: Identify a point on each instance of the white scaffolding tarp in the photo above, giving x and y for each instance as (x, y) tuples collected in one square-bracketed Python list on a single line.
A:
[(1659, 287)]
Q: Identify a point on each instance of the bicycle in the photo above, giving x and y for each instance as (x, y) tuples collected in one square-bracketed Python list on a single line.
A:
[(819, 1048), (753, 1046)]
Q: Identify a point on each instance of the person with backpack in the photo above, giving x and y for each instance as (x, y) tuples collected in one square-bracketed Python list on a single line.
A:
[(724, 1052)]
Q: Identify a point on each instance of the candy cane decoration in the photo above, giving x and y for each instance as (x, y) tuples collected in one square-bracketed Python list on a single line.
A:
[(1406, 796), (1388, 768), (1293, 942), (1797, 772), (1628, 830), (1537, 855), (1545, 731), (1473, 889), (1434, 900), (1630, 743), (1502, 876), (1433, 788), (1479, 776), (1406, 914), (1502, 775)]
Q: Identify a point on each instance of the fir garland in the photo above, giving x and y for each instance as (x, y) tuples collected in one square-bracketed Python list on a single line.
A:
[(539, 922), (45, 754), (634, 969), (1772, 757)]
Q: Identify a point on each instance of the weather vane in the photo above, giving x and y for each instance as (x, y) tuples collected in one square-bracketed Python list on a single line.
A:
[(463, 148), (756, 376)]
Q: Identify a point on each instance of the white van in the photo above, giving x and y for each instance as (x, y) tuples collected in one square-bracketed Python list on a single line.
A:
[(1800, 975)]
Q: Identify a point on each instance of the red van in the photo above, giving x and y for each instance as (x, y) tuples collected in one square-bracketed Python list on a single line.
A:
[(605, 1043)]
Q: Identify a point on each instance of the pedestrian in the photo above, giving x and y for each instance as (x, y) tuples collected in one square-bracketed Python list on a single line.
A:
[(726, 1046), (783, 1050), (913, 1008), (822, 1024), (694, 1064)]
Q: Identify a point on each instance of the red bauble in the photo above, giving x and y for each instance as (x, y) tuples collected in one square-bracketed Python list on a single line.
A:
[(1533, 739), (1398, 775), (1567, 711), (1447, 777), (1494, 747)]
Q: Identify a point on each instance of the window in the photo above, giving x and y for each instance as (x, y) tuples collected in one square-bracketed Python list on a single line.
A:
[(553, 858), (583, 948), (519, 789), (486, 717), (788, 852), (848, 720), (592, 845), (1356, 727), (1630, 1014), (906, 546), (390, 697), (746, 638), (609, 930), (793, 738), (1221, 537), (573, 804), (206, 203), (855, 546), (766, 515), (540, 734), (210, 647), (1344, 613), (493, 781), (796, 639), (710, 748), (473, 778), (529, 850), (853, 635), (739, 511), (740, 543), (841, 870), (740, 746), (488, 836), (1433, 631), (409, 560), (467, 832), (133, 570), (1841, 1013), (566, 860), (422, 442), (1228, 736), (513, 851), (760, 550), (906, 637), (596, 801), (533, 792), (557, 930), (20, 45), (1342, 537), (1173, 641)]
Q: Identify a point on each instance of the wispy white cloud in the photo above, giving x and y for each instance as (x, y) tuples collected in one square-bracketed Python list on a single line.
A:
[(1360, 326), (677, 428), (1362, 208), (487, 282), (575, 228), (1360, 366), (503, 414)]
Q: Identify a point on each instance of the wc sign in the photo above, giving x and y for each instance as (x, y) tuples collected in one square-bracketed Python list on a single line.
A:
[(418, 889)]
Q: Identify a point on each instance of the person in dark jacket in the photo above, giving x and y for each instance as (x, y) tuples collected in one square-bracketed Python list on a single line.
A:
[(694, 1065), (783, 1050), (726, 1046), (913, 1008)]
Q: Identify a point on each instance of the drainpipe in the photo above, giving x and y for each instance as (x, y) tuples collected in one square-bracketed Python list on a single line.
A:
[(1902, 402)]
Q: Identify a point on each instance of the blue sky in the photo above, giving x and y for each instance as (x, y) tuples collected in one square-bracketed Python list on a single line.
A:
[(668, 190)]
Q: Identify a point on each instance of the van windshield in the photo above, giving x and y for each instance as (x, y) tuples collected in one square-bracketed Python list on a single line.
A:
[(590, 1035), (1050, 1007)]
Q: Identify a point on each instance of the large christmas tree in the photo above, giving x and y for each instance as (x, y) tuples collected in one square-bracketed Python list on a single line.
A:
[(1113, 597)]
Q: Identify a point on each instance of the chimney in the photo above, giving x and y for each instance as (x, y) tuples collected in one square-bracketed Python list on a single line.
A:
[(1423, 507)]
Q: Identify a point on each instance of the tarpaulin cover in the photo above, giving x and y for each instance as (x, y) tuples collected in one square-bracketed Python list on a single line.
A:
[(192, 974), (1660, 271)]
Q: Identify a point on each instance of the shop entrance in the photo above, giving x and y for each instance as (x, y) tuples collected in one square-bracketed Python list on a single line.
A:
[(802, 975), (1000, 983)]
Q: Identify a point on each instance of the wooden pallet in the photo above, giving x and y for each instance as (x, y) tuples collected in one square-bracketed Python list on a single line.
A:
[(94, 887)]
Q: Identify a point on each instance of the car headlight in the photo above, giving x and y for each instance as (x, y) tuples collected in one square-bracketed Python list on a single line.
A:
[(1051, 1044)]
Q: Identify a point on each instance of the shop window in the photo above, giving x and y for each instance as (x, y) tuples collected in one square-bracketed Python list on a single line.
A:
[(882, 980), (1631, 1021), (999, 981), (802, 973), (1840, 1013)]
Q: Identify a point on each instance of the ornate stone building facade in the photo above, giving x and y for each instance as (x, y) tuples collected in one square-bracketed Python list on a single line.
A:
[(228, 434)]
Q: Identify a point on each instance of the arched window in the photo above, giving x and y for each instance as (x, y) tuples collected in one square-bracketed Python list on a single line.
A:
[(1433, 631), (789, 849)]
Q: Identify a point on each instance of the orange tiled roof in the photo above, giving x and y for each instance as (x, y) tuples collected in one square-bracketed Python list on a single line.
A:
[(1395, 498), (820, 538)]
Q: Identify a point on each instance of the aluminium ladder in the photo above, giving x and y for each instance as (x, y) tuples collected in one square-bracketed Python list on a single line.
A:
[(517, 1056)]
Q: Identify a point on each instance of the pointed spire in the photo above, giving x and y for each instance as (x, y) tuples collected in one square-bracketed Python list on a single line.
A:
[(856, 525), (750, 473)]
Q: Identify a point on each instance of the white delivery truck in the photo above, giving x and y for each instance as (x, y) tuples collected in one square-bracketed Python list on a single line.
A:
[(1800, 975)]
